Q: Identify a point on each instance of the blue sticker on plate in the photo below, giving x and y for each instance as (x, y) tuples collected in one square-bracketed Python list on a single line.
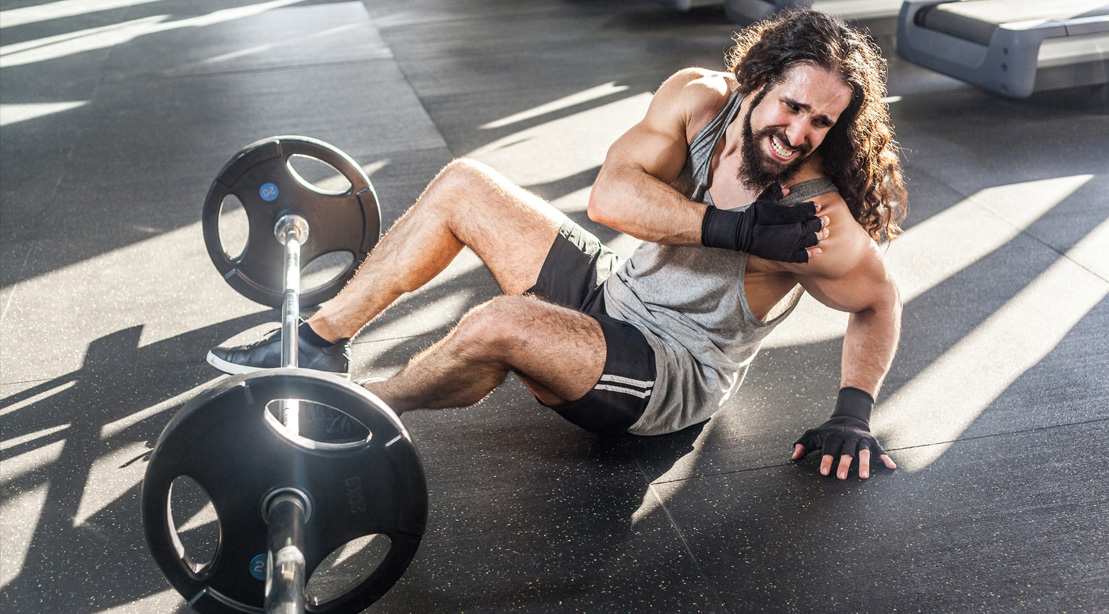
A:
[(268, 192), (258, 567)]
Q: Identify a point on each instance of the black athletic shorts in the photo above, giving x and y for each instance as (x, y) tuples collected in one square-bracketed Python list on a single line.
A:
[(573, 276)]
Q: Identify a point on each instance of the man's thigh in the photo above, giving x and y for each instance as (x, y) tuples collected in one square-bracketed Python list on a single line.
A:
[(558, 352), (508, 227), (622, 392), (575, 269), (594, 370)]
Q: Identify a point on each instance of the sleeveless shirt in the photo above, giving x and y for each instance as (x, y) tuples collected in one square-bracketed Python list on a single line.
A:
[(690, 304)]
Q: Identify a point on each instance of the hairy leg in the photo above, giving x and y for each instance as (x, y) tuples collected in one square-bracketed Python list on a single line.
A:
[(559, 353), (467, 205)]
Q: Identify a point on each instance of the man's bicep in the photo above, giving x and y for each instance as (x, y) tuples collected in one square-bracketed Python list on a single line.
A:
[(657, 144), (644, 148)]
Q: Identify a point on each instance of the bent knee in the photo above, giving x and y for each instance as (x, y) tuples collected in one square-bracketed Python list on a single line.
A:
[(497, 327), (460, 185), (495, 319), (465, 174)]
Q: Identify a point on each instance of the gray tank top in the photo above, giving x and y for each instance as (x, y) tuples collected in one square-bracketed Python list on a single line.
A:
[(690, 304)]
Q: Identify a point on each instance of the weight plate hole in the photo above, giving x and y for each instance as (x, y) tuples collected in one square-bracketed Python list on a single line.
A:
[(315, 425), (234, 226), (346, 567), (318, 175), (195, 523), (325, 269)]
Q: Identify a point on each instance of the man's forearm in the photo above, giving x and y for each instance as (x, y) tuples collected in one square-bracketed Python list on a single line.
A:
[(644, 207), (869, 346)]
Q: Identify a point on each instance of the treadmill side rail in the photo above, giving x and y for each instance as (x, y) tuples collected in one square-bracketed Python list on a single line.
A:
[(1011, 65)]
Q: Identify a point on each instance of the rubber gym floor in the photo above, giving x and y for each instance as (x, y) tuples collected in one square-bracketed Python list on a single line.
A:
[(117, 115)]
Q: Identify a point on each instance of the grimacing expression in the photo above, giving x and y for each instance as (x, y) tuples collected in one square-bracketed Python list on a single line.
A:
[(787, 121)]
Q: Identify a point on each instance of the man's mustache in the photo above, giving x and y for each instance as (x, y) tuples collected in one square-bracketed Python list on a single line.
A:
[(803, 148)]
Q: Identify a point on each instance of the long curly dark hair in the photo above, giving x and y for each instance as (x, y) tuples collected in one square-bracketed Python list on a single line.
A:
[(859, 153)]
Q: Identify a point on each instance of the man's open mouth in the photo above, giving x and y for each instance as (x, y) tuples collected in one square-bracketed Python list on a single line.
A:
[(782, 151)]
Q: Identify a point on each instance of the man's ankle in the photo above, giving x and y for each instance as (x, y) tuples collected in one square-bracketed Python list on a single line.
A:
[(309, 334)]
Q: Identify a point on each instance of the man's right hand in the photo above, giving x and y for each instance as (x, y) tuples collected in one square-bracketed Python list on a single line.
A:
[(767, 229)]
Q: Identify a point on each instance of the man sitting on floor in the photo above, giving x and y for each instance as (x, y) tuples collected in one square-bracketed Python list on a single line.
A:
[(662, 341)]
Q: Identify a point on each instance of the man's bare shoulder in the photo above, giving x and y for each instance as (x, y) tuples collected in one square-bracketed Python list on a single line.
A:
[(704, 81), (847, 250), (711, 83), (848, 274), (697, 94), (848, 244), (847, 247)]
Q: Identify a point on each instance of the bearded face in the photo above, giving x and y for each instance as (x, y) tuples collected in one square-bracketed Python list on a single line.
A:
[(787, 120), (758, 169)]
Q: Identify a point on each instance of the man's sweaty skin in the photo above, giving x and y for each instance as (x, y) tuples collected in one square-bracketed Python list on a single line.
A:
[(845, 270)]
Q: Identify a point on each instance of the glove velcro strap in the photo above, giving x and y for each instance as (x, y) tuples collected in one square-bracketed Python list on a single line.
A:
[(854, 403), (719, 228)]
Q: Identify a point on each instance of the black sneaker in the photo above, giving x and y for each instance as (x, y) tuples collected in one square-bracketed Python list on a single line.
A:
[(266, 354)]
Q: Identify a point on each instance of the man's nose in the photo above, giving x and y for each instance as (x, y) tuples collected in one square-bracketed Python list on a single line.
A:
[(797, 132)]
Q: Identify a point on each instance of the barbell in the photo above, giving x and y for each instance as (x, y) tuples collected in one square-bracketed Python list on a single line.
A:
[(297, 464)]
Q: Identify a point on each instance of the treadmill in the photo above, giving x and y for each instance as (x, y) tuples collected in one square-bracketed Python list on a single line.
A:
[(1011, 47), (747, 11)]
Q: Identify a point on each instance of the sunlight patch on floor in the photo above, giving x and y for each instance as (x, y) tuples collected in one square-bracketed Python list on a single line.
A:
[(168, 600), (21, 515), (104, 37), (33, 399), (110, 477), (20, 465), (566, 102), (562, 147), (944, 399), (939, 248), (61, 9), (15, 113), (951, 241)]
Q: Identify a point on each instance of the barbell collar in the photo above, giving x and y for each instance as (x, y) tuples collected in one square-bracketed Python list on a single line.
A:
[(283, 494), (289, 226)]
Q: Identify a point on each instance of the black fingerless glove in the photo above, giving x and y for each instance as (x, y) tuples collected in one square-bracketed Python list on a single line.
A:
[(765, 229), (847, 431)]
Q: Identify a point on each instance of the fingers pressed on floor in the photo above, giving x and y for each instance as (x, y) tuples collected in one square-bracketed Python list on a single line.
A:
[(844, 465)]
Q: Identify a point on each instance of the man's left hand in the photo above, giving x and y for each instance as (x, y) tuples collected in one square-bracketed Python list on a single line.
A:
[(846, 435)]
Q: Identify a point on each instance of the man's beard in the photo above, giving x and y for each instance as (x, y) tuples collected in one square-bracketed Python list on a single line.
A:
[(759, 171)]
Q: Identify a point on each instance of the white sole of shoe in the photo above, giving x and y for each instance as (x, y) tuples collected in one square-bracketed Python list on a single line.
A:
[(229, 367)]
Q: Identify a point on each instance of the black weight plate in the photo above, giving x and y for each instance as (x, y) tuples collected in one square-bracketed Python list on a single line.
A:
[(223, 441), (260, 177)]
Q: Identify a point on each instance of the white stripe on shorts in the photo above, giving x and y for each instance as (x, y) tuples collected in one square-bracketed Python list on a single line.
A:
[(643, 394), (637, 383), (626, 385)]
